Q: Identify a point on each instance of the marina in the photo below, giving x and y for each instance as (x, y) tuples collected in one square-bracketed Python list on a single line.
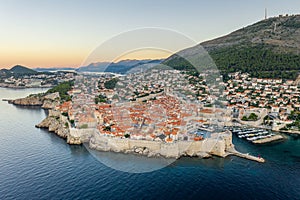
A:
[(255, 135)]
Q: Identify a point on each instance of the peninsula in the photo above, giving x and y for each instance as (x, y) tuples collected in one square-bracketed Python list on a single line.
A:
[(183, 110)]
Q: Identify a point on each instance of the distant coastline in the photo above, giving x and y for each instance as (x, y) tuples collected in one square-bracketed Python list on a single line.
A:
[(3, 85)]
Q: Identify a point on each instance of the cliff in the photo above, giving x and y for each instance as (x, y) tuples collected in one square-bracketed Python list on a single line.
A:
[(27, 101), (50, 101), (59, 124), (55, 122), (217, 145), (47, 102)]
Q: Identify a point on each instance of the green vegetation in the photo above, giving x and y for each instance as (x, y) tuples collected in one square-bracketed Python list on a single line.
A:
[(268, 120), (107, 128), (295, 125), (127, 135), (101, 98), (36, 95), (240, 89), (67, 125), (254, 104), (180, 63), (295, 115), (252, 117), (258, 49), (111, 84), (84, 126), (259, 61), (65, 114), (292, 23), (62, 89), (21, 70), (245, 118)]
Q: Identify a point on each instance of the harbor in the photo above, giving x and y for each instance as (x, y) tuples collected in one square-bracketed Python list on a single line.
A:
[(256, 135)]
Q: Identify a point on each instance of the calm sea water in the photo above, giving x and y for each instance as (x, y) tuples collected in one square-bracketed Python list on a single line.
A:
[(35, 164)]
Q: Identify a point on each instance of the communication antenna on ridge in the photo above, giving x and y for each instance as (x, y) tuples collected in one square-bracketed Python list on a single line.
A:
[(266, 14)]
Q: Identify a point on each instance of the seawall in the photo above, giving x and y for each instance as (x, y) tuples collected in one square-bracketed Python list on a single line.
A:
[(210, 146)]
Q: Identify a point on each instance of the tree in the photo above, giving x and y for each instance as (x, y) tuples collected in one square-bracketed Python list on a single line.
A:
[(252, 117), (62, 89), (244, 118), (67, 125), (107, 128), (111, 84)]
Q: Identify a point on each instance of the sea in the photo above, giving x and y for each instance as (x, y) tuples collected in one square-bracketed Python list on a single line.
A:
[(37, 164)]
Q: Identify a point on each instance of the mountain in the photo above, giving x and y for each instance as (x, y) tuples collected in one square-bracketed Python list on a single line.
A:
[(17, 70), (269, 48), (54, 69), (94, 67), (121, 67), (4, 73)]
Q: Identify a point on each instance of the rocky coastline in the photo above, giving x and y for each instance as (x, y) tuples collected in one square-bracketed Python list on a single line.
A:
[(57, 123), (48, 101), (7, 85), (219, 145), (154, 148)]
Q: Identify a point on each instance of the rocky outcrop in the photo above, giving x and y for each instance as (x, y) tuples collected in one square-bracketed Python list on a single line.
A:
[(79, 136), (45, 101), (57, 123), (49, 104), (50, 101), (219, 144), (27, 101), (73, 140)]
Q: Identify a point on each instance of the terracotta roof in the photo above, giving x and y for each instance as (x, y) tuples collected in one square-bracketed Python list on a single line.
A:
[(198, 138)]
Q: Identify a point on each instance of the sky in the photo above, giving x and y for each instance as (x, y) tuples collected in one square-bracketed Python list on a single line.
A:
[(52, 33)]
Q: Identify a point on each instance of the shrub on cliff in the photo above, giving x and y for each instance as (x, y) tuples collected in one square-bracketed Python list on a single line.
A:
[(62, 89)]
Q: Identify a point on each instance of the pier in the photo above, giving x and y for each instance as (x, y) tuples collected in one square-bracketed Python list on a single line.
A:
[(257, 135), (246, 156), (267, 140)]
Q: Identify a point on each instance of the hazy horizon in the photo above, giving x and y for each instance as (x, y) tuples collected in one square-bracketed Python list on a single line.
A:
[(126, 59), (44, 34)]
